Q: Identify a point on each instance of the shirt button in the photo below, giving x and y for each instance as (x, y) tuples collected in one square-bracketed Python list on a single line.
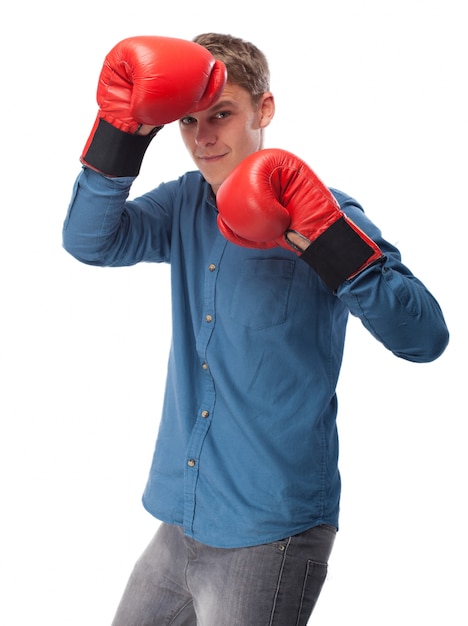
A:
[(212, 267), (209, 318), (205, 366), (205, 414), (191, 462)]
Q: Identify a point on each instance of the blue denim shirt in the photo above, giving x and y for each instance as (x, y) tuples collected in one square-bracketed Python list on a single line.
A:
[(247, 450)]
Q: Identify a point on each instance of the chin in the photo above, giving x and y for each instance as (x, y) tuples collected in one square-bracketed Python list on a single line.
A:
[(214, 182)]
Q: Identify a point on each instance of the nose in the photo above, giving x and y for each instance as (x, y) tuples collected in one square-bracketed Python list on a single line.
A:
[(205, 135)]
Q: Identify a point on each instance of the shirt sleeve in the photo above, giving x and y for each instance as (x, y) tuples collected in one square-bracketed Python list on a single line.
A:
[(394, 305), (102, 227)]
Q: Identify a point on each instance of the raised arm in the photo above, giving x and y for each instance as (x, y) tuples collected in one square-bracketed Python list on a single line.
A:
[(145, 83)]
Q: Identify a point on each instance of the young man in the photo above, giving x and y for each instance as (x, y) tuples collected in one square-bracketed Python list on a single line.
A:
[(266, 264)]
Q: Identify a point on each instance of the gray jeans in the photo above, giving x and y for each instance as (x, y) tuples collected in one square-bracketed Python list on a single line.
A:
[(180, 582)]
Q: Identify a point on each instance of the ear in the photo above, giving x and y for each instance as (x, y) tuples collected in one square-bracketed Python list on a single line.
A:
[(266, 106)]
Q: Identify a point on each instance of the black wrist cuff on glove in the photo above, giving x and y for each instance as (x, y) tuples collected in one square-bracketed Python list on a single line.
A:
[(115, 152), (337, 254)]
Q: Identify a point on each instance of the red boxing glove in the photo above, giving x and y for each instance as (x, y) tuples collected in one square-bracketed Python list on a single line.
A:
[(271, 194), (147, 80)]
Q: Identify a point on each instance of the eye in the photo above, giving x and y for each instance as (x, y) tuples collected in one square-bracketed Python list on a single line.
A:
[(186, 121), (221, 115)]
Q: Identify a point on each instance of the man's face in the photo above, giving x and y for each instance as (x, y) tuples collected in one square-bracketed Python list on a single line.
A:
[(219, 138)]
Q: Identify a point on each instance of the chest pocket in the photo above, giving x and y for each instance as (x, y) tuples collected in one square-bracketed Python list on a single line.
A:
[(261, 293)]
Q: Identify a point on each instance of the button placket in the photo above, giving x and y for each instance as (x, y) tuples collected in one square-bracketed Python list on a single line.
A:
[(194, 458)]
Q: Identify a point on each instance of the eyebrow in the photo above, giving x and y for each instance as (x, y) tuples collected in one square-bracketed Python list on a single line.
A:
[(222, 104), (219, 106)]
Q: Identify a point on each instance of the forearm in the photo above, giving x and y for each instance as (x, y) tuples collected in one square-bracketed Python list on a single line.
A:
[(94, 217), (398, 310), (394, 305)]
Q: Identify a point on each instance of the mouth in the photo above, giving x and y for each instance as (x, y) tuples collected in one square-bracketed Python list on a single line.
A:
[(210, 158)]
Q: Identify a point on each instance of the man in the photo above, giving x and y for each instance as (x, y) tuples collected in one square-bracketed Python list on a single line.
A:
[(266, 264)]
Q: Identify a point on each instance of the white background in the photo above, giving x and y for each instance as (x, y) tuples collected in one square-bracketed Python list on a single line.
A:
[(372, 95)]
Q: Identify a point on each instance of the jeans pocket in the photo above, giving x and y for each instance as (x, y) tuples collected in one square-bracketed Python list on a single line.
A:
[(315, 576)]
